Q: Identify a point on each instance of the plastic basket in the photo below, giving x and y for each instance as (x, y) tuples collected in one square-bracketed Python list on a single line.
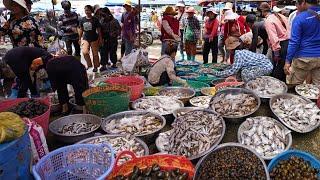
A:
[(314, 162), (80, 161), (107, 100), (165, 161), (135, 83), (42, 120), (197, 85), (207, 78)]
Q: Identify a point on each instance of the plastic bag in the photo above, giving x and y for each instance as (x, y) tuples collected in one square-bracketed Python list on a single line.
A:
[(57, 48), (38, 141), (135, 59), (11, 126)]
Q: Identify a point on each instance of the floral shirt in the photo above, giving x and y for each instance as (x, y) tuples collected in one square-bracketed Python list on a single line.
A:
[(24, 32)]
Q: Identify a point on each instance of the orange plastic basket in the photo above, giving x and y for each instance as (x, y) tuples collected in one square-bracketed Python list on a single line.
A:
[(165, 161), (135, 83), (42, 120)]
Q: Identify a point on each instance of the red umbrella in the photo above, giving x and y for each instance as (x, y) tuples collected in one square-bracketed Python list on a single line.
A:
[(205, 2)]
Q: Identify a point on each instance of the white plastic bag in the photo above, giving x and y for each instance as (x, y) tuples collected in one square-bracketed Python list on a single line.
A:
[(38, 141), (57, 47), (135, 59)]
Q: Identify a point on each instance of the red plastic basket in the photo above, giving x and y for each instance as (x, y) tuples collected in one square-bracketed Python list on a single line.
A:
[(135, 83), (42, 120), (165, 161)]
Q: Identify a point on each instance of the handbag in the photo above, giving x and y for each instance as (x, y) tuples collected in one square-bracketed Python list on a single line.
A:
[(189, 34)]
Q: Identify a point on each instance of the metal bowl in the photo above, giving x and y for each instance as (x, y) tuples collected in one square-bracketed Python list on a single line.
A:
[(290, 96), (237, 91), (59, 123), (188, 91), (134, 104), (147, 137), (285, 87), (141, 142), (184, 109), (245, 126), (197, 105), (309, 97), (206, 91), (221, 146), (158, 140)]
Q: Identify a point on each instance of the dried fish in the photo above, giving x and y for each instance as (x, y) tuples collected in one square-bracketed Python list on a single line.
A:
[(265, 135), (134, 124), (309, 91), (162, 105), (77, 128), (192, 134), (201, 101), (266, 86), (119, 143), (297, 113), (179, 93), (228, 104)]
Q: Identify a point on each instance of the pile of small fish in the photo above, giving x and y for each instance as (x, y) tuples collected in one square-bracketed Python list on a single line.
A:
[(205, 70), (297, 113), (29, 109), (201, 101), (77, 128), (309, 91), (162, 105), (187, 63), (231, 162), (192, 134), (119, 144), (154, 172), (264, 135), (134, 124), (266, 86), (176, 93), (294, 168), (228, 104)]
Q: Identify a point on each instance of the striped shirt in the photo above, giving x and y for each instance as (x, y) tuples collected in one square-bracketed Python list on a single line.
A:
[(68, 23), (246, 59)]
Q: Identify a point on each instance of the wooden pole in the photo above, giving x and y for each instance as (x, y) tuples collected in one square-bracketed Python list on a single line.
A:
[(139, 34)]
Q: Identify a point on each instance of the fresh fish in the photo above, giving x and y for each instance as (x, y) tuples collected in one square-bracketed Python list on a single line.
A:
[(201, 101), (264, 135), (309, 91), (266, 86), (77, 128)]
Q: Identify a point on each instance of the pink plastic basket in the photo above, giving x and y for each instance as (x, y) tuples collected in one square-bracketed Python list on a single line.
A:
[(42, 120), (135, 83)]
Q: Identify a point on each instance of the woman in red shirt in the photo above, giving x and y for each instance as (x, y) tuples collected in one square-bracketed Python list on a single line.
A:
[(235, 26), (211, 36)]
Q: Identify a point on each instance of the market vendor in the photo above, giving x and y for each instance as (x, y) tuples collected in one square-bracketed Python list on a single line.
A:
[(251, 65), (162, 72), (61, 70), (20, 60)]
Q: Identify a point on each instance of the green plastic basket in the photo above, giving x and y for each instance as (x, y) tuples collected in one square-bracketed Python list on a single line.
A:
[(107, 100), (206, 78)]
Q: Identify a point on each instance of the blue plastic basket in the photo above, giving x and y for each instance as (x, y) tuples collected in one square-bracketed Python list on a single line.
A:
[(315, 163), (80, 161)]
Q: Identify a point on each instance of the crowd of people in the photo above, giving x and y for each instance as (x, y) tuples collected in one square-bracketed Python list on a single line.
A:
[(290, 47)]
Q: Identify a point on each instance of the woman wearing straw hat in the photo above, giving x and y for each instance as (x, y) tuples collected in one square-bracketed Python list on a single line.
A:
[(181, 6), (21, 27), (191, 33), (169, 28)]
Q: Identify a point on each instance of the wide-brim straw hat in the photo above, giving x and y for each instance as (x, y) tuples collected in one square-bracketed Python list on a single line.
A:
[(22, 3), (232, 43), (230, 15), (228, 6), (214, 11), (127, 3), (170, 11), (276, 9)]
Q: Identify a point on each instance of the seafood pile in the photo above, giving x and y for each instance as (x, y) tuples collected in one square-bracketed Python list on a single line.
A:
[(162, 105), (294, 168), (29, 109), (228, 104), (265, 135), (192, 134), (187, 63), (266, 86), (134, 124), (297, 113), (201, 101), (77, 128), (182, 111), (309, 91), (231, 162), (189, 76), (178, 93), (119, 144), (154, 172), (205, 70)]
